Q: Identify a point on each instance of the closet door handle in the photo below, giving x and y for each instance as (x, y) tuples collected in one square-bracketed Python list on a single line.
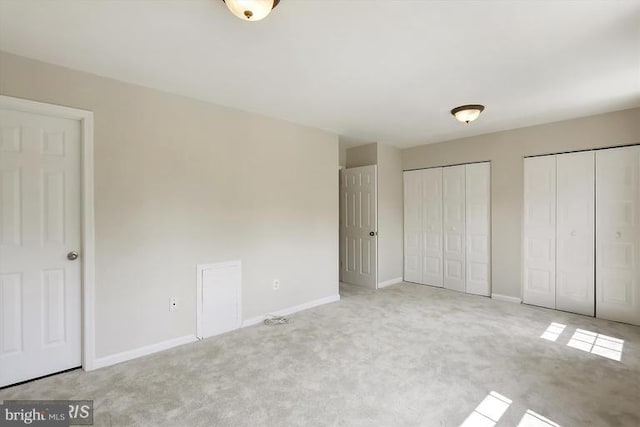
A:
[(618, 234), (573, 233)]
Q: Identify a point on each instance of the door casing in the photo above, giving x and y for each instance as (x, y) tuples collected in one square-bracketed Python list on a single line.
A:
[(87, 215)]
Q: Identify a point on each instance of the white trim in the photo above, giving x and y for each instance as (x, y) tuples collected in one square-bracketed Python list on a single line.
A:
[(88, 215), (522, 224), (291, 310), (506, 298), (175, 342), (389, 282), (142, 351), (201, 268)]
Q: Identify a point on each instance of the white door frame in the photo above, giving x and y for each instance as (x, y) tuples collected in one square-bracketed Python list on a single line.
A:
[(87, 211)]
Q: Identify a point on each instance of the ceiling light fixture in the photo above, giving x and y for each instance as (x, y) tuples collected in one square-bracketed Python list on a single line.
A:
[(251, 10), (467, 113)]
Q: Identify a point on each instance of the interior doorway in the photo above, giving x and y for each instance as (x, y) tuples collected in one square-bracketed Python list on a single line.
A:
[(359, 226), (46, 240)]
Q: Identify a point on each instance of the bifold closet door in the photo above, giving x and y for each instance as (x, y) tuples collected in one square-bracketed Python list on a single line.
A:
[(413, 235), (432, 255), (618, 234), (540, 231), (453, 202), (478, 213), (575, 233)]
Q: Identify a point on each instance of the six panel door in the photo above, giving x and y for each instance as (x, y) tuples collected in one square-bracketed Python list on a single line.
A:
[(618, 234), (432, 254), (478, 214), (567, 234), (575, 233), (40, 308), (539, 268), (413, 226), (359, 227), (453, 202)]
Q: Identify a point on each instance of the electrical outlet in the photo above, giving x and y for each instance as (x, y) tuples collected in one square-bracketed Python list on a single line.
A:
[(173, 304), (276, 284)]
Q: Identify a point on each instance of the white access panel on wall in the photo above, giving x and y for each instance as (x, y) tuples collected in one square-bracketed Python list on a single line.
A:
[(359, 226), (540, 231), (413, 226), (478, 228), (219, 297), (575, 232), (453, 206), (432, 253), (40, 235), (618, 234)]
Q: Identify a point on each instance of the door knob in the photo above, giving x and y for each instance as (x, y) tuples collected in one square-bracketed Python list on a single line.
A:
[(372, 233), (618, 234), (72, 256), (573, 233)]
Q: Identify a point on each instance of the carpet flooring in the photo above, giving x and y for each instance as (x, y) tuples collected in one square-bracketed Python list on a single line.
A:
[(406, 355)]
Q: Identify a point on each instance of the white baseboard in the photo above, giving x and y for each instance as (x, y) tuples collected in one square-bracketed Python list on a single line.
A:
[(506, 298), (389, 282), (290, 310), (142, 351), (175, 342)]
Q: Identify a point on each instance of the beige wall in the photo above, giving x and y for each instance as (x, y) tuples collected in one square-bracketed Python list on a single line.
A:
[(390, 219), (342, 154), (362, 155), (180, 182), (506, 150)]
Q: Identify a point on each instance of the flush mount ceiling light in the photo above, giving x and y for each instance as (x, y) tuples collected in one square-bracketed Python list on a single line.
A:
[(251, 10), (467, 113)]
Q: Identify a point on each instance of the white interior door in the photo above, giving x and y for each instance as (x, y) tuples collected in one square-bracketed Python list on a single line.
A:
[(40, 308), (432, 252), (453, 185), (575, 278), (539, 281), (413, 226), (359, 226), (478, 228), (618, 234)]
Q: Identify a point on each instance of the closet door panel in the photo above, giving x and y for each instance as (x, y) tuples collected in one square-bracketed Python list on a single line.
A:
[(478, 212), (618, 234), (539, 251), (413, 236), (575, 281), (453, 185), (432, 252)]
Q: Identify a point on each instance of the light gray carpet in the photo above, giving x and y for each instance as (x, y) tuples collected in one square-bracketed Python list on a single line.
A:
[(407, 355)]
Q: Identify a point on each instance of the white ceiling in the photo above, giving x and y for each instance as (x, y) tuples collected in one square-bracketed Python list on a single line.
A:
[(370, 70)]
